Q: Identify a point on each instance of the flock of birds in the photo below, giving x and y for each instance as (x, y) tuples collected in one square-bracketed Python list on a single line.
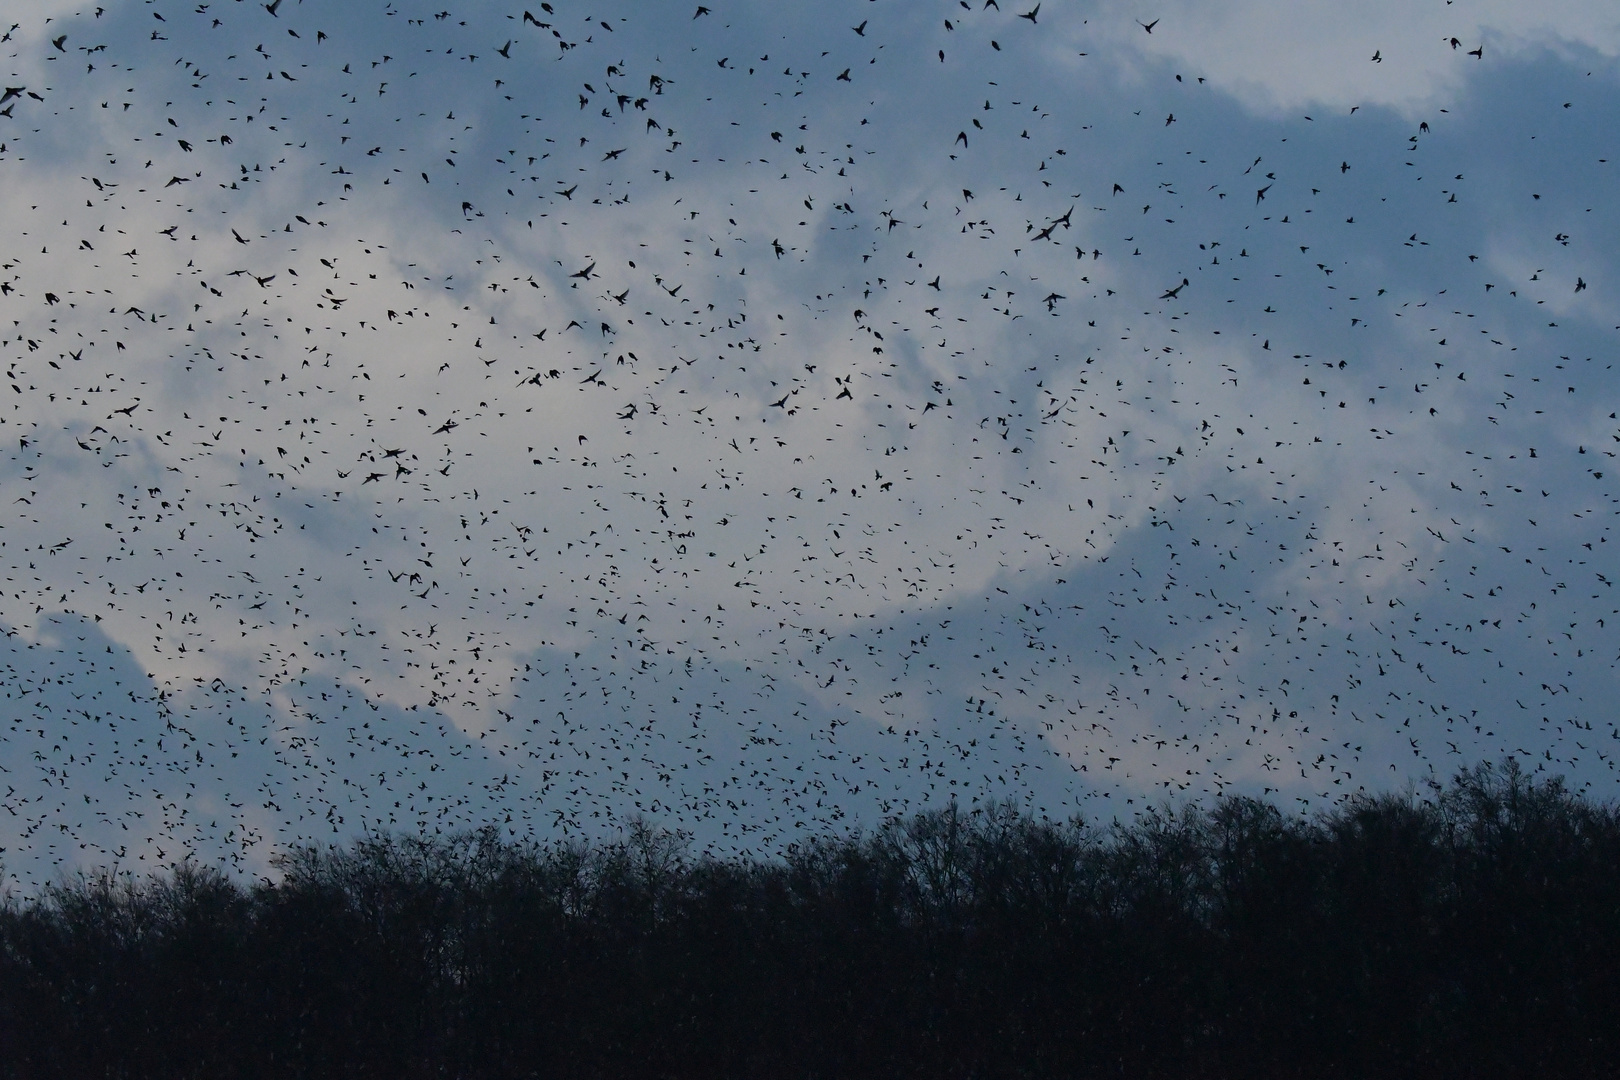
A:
[(762, 422)]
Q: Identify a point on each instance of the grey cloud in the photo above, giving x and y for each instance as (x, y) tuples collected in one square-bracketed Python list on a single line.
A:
[(445, 411)]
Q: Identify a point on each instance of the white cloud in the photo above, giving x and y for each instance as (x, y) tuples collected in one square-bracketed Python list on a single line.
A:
[(749, 561), (1286, 56)]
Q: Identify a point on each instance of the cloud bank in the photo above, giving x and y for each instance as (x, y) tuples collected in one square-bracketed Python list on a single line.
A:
[(765, 421)]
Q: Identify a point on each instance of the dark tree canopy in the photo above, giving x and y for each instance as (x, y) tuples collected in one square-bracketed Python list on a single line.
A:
[(1472, 931)]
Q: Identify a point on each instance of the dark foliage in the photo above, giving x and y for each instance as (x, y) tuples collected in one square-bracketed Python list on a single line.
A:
[(1473, 933)]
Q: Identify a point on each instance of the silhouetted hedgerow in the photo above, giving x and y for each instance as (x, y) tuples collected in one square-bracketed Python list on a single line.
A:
[(1474, 932)]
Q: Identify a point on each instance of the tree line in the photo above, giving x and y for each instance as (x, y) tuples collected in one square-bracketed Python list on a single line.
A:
[(1469, 930)]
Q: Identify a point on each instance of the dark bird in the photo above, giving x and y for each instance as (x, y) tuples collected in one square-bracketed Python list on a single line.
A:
[(1031, 13), (506, 50), (1170, 294), (861, 29), (1147, 26)]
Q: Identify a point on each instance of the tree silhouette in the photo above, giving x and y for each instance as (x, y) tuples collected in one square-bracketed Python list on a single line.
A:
[(1470, 930)]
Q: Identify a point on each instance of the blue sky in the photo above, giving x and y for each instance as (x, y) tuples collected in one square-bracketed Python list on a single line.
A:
[(766, 421)]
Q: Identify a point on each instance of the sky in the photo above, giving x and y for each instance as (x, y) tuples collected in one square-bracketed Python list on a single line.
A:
[(766, 421)]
